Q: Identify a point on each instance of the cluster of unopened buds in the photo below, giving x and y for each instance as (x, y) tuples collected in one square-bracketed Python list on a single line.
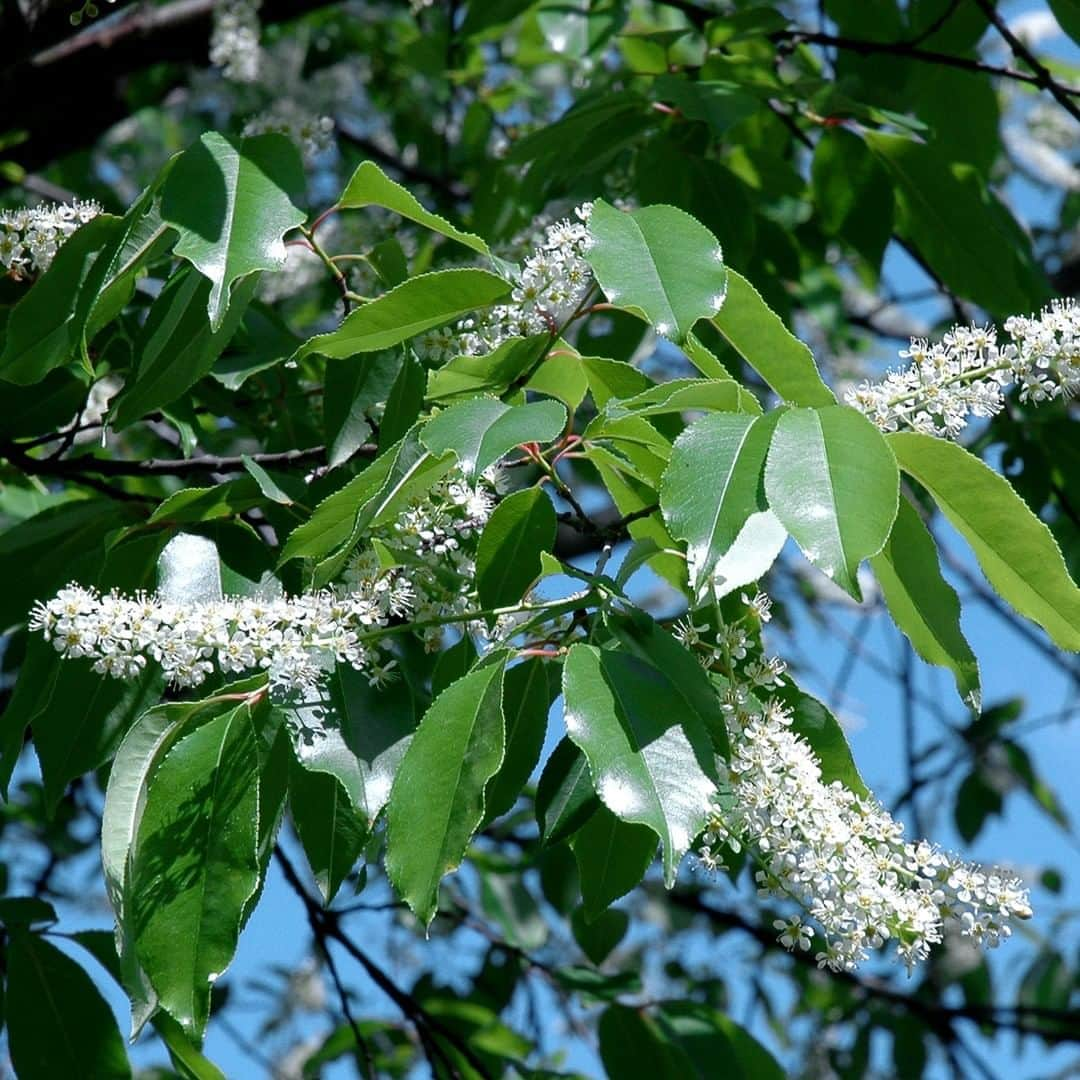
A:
[(30, 238), (234, 39), (967, 373), (554, 281), (293, 638), (838, 855)]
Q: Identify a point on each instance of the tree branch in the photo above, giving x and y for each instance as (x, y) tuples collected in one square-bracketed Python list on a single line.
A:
[(75, 468), (1041, 78)]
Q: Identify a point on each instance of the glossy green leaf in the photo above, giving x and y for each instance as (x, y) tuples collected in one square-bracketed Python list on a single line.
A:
[(231, 201), (40, 334), (354, 732), (195, 863), (465, 376), (482, 430), (1016, 551), (649, 750), (685, 395), (528, 691), (923, 604), (612, 857), (757, 333), (331, 831), (508, 556), (176, 345), (404, 402), (416, 305), (565, 798), (437, 801), (833, 482), (57, 1022), (658, 262), (713, 485), (351, 389), (370, 186)]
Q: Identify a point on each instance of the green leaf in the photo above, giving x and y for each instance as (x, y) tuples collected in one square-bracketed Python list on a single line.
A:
[(612, 857), (141, 237), (757, 333), (713, 485), (232, 201), (37, 556), (508, 555), (370, 186), (565, 799), (649, 750), (416, 305), (683, 395), (176, 345), (58, 1024), (833, 482), (1017, 552), (528, 691), (601, 935), (40, 332), (330, 829), (959, 227), (437, 801), (404, 402), (1067, 13), (658, 262), (191, 504), (631, 1044), (716, 103), (375, 495), (511, 906), (482, 430), (195, 863), (351, 388), (466, 376), (17, 911), (715, 1044), (41, 407), (923, 604), (348, 729)]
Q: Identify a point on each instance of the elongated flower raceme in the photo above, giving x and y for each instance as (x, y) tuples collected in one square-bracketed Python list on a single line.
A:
[(30, 238), (293, 638), (967, 373), (842, 858)]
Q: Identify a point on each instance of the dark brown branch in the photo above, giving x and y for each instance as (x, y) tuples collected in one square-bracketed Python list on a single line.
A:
[(77, 467), (1042, 77), (865, 47), (325, 925), (940, 1017)]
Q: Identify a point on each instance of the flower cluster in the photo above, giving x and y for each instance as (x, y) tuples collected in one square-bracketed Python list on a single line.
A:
[(967, 372), (310, 131), (30, 238), (293, 638), (841, 856), (234, 39), (553, 282)]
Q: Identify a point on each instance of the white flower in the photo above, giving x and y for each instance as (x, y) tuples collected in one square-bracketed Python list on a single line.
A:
[(966, 373), (841, 857), (30, 238)]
